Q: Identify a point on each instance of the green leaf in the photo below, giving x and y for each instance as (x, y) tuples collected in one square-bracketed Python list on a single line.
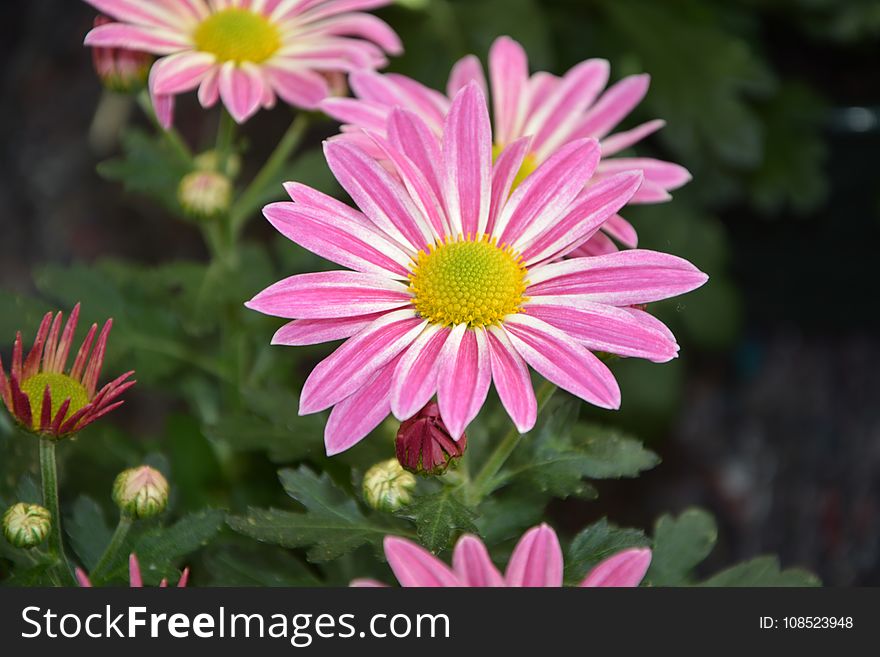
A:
[(333, 524), (596, 543), (88, 531), (679, 545), (253, 565), (440, 518), (158, 549), (762, 571)]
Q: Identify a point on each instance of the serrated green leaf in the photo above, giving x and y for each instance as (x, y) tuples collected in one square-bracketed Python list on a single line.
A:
[(762, 571), (679, 545), (88, 531), (234, 565), (332, 525), (596, 543), (440, 518)]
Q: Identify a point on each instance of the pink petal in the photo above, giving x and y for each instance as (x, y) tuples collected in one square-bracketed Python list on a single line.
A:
[(414, 566), (467, 158), (504, 173), (623, 140), (615, 104), (413, 137), (179, 73), (361, 26), (367, 584), (296, 86), (668, 175), (382, 198), (131, 37), (536, 560), (593, 207), (83, 579), (415, 379), (139, 12), (164, 108), (241, 88), (315, 331), (330, 295), (356, 416), (134, 572), (472, 564), (463, 377), (509, 73), (369, 116), (625, 278), (209, 90), (560, 359), (599, 244), (466, 70), (339, 238), (546, 194), (624, 569), (512, 381), (554, 123), (398, 91), (604, 328), (621, 230), (353, 364)]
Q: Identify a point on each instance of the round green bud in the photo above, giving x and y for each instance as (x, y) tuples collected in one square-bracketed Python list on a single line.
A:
[(387, 486), (205, 194), (141, 492), (26, 525)]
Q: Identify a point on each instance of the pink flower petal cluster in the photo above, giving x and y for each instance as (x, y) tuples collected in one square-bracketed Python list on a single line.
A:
[(552, 110), (247, 53), (456, 280), (536, 562)]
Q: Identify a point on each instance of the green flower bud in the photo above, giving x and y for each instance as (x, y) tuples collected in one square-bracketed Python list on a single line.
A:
[(205, 194), (26, 525), (141, 492), (387, 486)]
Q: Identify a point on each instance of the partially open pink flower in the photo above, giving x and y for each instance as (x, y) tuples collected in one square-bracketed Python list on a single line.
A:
[(120, 69), (552, 110), (134, 576), (536, 562), (45, 399), (246, 52), (458, 283)]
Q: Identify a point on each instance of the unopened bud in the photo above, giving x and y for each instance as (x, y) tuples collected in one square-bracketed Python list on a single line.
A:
[(205, 194), (387, 486), (26, 525), (230, 165), (141, 492), (424, 445), (119, 69)]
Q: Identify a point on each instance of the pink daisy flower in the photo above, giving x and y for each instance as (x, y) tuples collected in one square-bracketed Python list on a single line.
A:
[(457, 283), (246, 52), (47, 400), (136, 581), (536, 562), (552, 110)]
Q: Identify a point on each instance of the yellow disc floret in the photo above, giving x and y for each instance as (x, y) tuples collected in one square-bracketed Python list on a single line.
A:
[(473, 282), (61, 387), (526, 169), (238, 35)]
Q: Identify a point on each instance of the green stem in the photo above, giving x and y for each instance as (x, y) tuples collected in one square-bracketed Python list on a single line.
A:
[(484, 482), (171, 136), (110, 554), (252, 197), (225, 139), (49, 472)]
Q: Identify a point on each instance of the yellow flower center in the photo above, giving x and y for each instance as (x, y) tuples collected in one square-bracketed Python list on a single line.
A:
[(473, 282), (238, 35), (527, 168), (62, 388)]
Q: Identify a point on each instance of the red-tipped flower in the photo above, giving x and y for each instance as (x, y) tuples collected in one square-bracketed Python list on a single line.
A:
[(424, 445), (118, 68), (45, 399)]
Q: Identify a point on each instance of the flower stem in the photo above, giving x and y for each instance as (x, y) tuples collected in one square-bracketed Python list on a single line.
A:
[(251, 198), (171, 136), (225, 139), (484, 482), (112, 551), (49, 472)]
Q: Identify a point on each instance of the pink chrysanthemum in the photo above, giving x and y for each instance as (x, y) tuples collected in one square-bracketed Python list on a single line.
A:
[(136, 581), (246, 52), (536, 562), (457, 282), (45, 399), (552, 110)]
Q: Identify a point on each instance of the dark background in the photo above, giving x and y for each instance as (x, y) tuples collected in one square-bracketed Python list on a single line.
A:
[(771, 417)]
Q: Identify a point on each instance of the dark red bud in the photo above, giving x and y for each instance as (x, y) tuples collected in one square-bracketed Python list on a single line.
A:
[(424, 445)]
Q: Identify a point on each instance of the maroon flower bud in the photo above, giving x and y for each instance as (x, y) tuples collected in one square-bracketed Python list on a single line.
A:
[(424, 445), (119, 69)]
